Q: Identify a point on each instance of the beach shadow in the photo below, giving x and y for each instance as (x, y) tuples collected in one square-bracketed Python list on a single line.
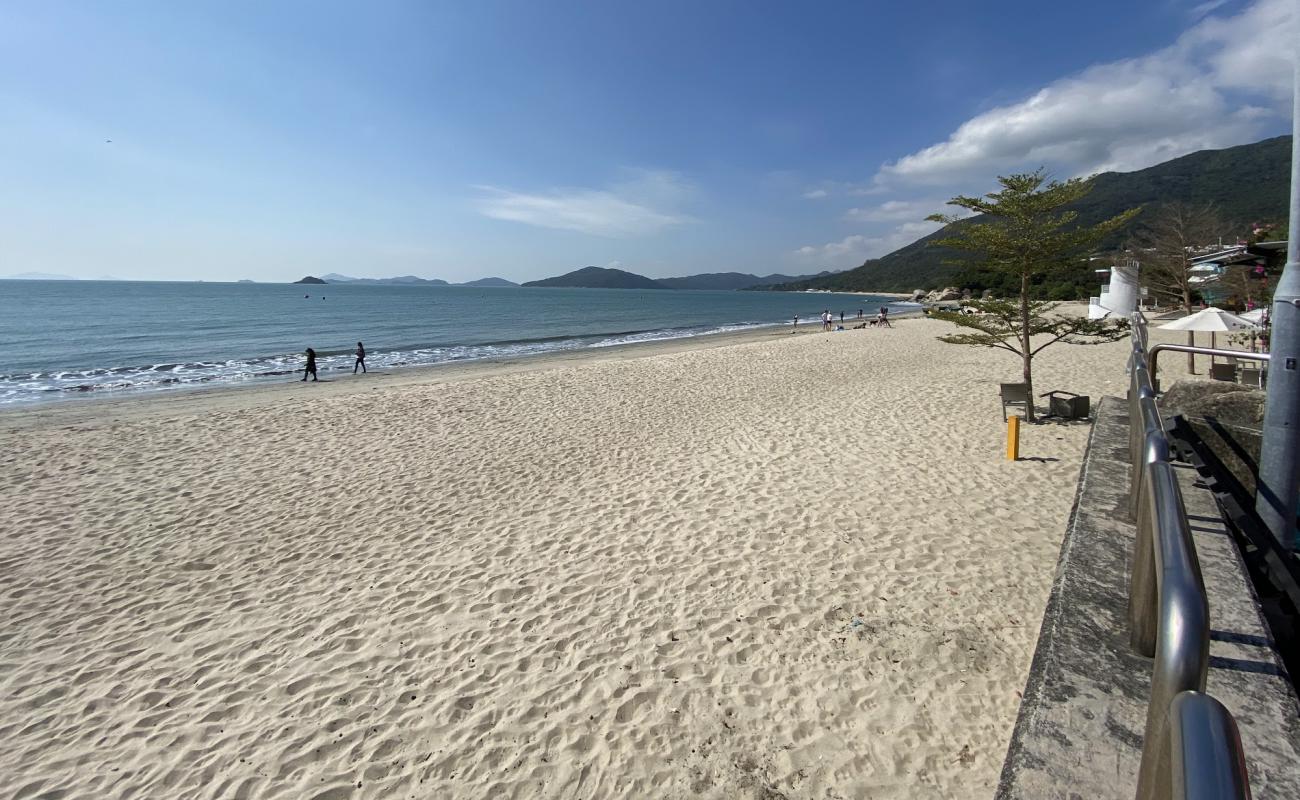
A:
[(1040, 459), (1062, 422), (1240, 638), (1246, 665)]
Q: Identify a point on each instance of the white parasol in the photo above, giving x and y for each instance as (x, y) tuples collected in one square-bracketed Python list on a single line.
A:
[(1214, 320), (1256, 317)]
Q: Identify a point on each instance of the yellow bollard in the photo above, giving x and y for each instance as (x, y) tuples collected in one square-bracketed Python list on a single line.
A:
[(1013, 438)]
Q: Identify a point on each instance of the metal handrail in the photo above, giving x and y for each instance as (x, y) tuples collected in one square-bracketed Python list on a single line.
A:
[(1169, 616), (1195, 772), (1153, 354), (1182, 629)]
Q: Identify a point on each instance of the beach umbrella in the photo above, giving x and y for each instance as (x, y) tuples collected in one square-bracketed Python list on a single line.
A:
[(1255, 317), (1214, 320)]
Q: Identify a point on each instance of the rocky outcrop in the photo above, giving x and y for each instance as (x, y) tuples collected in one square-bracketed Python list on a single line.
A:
[(310, 279), (941, 295), (1228, 418), (1229, 403)]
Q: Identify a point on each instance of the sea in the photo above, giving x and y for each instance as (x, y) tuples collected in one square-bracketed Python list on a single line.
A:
[(66, 339)]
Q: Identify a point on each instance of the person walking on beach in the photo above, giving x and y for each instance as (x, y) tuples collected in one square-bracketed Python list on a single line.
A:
[(841, 317), (361, 359), (796, 320), (310, 369), (883, 318)]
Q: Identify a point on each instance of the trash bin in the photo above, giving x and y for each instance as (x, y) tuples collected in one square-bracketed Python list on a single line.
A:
[(1068, 405)]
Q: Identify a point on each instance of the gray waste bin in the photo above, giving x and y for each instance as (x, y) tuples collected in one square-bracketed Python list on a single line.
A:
[(1068, 405)]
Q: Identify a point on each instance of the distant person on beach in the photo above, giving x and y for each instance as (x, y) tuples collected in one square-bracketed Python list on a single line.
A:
[(841, 317), (883, 318), (796, 320), (859, 313), (361, 359), (310, 369)]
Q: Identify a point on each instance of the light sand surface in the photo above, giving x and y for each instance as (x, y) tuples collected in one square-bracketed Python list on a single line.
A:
[(798, 566)]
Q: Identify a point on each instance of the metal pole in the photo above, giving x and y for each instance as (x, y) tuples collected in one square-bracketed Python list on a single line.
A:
[(1279, 460), (1153, 356)]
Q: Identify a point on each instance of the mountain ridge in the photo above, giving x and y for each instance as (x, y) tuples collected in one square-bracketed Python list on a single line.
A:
[(1263, 168), (609, 278)]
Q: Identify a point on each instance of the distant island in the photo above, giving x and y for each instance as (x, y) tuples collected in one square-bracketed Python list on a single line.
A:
[(39, 276), (402, 280), (598, 278), (489, 282), (605, 278), (588, 278)]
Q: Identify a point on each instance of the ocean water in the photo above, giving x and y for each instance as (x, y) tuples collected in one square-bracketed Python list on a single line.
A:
[(61, 339)]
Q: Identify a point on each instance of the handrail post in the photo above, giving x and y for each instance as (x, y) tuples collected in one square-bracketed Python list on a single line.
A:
[(1143, 596)]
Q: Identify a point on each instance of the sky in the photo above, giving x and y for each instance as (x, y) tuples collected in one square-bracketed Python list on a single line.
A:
[(267, 141)]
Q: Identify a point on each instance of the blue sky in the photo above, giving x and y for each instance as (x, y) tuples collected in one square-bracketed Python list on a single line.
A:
[(525, 139)]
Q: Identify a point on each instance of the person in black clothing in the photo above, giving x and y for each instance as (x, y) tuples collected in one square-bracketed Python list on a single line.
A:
[(310, 369), (361, 359)]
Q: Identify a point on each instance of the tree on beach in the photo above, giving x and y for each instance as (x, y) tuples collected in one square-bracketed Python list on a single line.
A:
[(1165, 248), (1025, 232)]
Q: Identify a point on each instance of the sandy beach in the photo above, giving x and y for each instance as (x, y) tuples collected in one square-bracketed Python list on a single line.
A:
[(765, 566)]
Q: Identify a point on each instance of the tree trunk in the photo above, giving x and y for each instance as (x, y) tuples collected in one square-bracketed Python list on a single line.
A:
[(1191, 337), (1025, 352)]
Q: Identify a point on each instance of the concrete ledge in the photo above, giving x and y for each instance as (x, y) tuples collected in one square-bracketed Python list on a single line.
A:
[(1079, 731)]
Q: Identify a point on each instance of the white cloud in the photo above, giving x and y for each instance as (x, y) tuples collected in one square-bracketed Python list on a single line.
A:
[(1199, 11), (853, 250), (836, 250), (815, 194), (1216, 86), (643, 204), (895, 211)]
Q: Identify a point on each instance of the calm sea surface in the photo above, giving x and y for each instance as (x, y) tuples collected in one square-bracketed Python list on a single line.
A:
[(63, 339)]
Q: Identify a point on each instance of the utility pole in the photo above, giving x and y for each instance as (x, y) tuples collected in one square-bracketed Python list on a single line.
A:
[(1279, 460)]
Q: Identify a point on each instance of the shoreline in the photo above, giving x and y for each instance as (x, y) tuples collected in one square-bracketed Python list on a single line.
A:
[(118, 405)]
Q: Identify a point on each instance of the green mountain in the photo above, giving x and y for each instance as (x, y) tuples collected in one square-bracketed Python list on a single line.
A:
[(598, 278), (1248, 183), (730, 280)]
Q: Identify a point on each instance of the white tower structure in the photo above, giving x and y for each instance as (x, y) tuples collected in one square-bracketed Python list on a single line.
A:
[(1119, 298)]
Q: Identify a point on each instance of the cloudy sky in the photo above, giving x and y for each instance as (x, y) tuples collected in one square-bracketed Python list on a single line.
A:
[(524, 139)]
